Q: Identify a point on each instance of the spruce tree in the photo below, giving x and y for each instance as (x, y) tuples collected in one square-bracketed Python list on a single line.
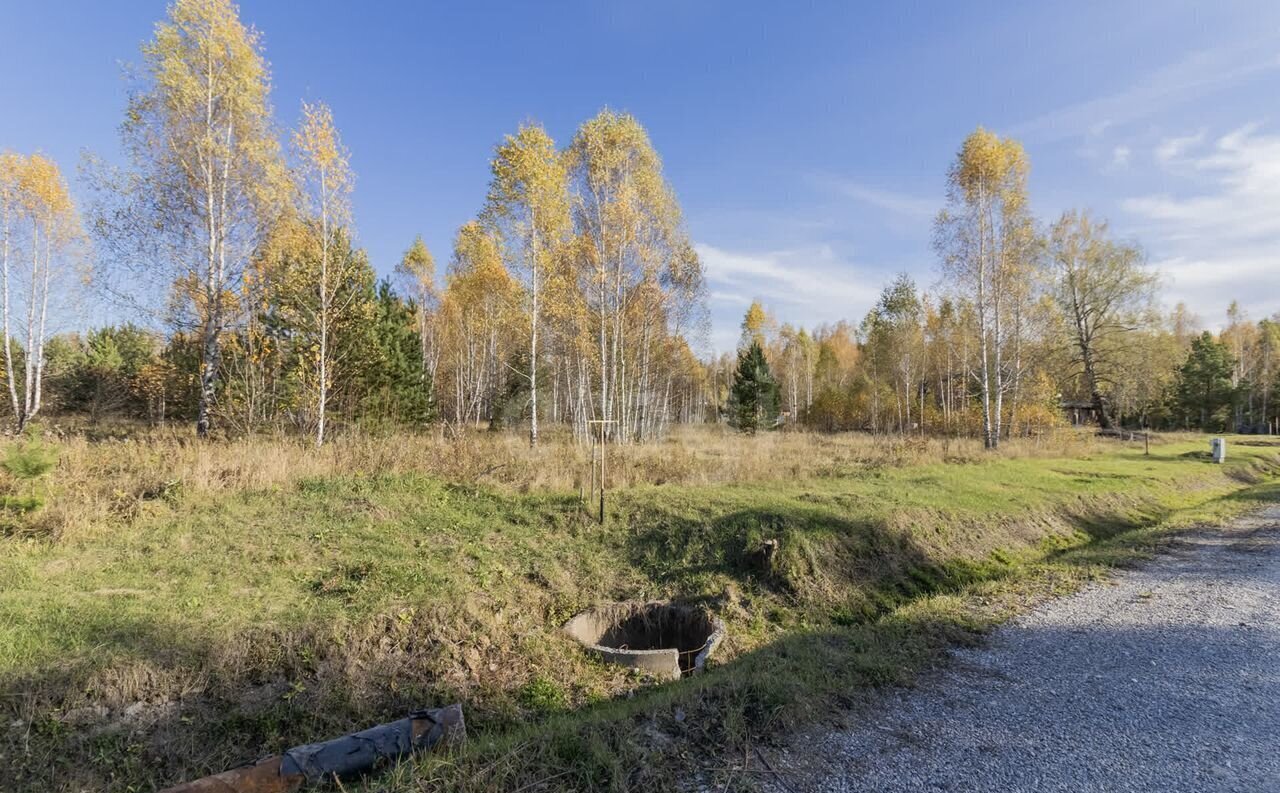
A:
[(753, 399), (397, 388), (1203, 391)]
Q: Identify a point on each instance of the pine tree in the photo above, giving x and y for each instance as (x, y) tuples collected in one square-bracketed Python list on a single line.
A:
[(1203, 392), (397, 387), (753, 399)]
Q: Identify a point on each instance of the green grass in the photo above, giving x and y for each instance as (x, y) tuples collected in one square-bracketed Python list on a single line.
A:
[(216, 627)]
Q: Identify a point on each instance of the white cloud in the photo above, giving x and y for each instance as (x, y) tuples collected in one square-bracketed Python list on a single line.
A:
[(1221, 242), (1171, 149), (1120, 156), (1198, 74), (732, 298), (806, 285), (909, 206)]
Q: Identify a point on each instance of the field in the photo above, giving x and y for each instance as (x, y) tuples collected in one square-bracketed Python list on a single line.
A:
[(178, 608)]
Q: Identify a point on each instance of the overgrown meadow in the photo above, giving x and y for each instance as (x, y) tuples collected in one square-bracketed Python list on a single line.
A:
[(173, 608)]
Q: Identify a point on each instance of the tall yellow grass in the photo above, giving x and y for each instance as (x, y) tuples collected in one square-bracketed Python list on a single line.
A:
[(111, 479)]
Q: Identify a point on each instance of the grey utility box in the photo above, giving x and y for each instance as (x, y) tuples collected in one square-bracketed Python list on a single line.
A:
[(1219, 448)]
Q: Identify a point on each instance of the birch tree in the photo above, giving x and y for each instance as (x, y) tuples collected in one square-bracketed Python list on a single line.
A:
[(984, 238), (206, 180), (528, 200), (34, 195), (894, 347), (11, 167), (1268, 366), (417, 272), (299, 320), (637, 275), (758, 326), (479, 324), (325, 185), (1103, 290), (796, 357)]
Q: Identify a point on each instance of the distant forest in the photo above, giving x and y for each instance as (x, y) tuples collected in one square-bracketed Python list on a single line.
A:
[(575, 295)]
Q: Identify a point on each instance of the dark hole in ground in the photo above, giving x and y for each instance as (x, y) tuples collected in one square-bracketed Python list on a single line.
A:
[(665, 639)]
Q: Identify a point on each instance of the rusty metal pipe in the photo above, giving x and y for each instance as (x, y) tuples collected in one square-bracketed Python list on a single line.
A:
[(263, 776), (357, 753)]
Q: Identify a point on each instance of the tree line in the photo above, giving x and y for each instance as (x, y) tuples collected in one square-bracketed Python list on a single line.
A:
[(40, 251), (573, 294), (574, 297), (1029, 321)]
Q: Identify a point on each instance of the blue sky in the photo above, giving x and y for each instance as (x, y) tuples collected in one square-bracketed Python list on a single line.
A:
[(808, 142)]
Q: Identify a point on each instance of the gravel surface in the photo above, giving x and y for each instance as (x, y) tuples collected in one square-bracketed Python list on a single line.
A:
[(1165, 678)]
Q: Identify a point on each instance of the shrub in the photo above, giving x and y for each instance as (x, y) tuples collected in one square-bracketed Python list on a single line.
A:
[(29, 459), (541, 694), (26, 461)]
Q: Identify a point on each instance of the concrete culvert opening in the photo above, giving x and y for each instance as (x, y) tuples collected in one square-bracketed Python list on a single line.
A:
[(661, 638)]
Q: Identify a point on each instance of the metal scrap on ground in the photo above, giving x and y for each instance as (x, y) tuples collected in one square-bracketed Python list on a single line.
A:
[(353, 754)]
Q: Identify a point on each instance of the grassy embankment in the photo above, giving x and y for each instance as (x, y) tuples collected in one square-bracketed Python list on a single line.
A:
[(178, 609)]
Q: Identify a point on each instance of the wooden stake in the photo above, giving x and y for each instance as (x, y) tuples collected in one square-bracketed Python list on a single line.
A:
[(598, 442)]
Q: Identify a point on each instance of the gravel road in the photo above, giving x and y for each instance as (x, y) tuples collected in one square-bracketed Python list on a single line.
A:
[(1165, 678)]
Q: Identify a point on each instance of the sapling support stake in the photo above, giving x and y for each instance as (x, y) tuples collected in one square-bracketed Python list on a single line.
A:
[(598, 443)]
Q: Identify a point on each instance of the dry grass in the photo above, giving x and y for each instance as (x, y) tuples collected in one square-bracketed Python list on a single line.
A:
[(103, 479), (188, 606)]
